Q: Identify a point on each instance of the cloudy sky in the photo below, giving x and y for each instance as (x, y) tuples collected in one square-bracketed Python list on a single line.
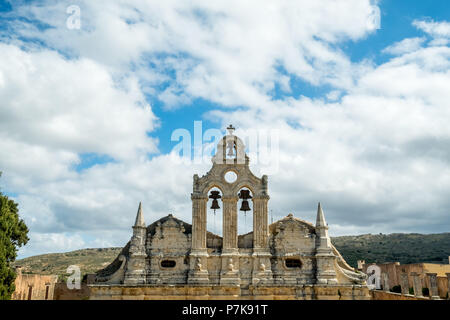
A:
[(91, 93)]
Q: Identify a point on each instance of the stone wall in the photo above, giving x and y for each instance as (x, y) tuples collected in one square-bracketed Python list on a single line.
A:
[(169, 244), (34, 287), (64, 293), (443, 288), (394, 271), (383, 295), (181, 292)]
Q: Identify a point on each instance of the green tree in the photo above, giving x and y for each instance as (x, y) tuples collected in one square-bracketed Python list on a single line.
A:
[(13, 234)]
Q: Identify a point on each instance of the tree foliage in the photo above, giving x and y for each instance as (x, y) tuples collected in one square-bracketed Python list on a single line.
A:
[(13, 234)]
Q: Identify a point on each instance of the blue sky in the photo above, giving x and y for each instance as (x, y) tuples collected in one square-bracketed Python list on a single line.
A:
[(355, 89), (397, 17)]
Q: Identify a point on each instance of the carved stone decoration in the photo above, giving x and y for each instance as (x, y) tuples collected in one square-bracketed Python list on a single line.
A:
[(385, 282), (198, 265), (230, 265), (417, 284), (432, 278), (290, 256), (404, 283)]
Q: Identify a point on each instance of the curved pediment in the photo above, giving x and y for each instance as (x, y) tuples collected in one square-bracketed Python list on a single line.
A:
[(291, 222), (171, 222)]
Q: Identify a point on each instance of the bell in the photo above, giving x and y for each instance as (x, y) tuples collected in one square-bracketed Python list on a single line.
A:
[(244, 194), (215, 205), (244, 206), (215, 195)]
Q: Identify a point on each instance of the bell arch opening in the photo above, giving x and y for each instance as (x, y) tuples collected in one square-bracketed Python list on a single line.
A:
[(214, 208), (245, 218)]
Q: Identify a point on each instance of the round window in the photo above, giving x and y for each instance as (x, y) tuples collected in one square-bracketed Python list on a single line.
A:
[(230, 176)]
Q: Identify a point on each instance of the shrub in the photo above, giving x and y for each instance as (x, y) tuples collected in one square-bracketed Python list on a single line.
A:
[(411, 291), (425, 292), (396, 289)]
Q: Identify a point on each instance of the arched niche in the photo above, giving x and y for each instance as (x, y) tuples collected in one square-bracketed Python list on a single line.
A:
[(214, 217), (245, 220)]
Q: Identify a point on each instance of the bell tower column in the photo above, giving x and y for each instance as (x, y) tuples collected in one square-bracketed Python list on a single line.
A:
[(199, 222), (230, 239), (198, 272), (260, 223), (262, 272), (230, 252)]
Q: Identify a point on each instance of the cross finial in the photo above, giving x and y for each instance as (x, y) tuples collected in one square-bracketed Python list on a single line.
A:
[(230, 129)]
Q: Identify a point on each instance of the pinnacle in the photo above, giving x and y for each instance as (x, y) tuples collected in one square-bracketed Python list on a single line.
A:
[(320, 220), (139, 217)]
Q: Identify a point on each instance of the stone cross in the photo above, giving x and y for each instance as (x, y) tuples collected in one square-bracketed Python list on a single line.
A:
[(434, 294), (404, 283), (417, 284), (230, 142), (230, 129)]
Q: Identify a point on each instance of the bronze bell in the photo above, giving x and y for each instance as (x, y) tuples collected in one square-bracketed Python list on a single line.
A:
[(244, 194), (215, 204), (244, 206)]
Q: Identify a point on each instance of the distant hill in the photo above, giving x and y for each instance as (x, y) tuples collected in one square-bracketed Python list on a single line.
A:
[(405, 248), (402, 247), (89, 261)]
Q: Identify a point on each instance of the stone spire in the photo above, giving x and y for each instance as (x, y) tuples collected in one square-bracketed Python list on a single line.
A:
[(322, 230), (325, 259), (320, 220), (135, 272), (139, 217)]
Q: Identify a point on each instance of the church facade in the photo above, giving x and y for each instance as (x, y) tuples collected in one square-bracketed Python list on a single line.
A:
[(288, 259)]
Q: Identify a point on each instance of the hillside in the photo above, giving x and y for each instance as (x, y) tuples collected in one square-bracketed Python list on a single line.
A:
[(405, 248), (89, 261), (402, 247)]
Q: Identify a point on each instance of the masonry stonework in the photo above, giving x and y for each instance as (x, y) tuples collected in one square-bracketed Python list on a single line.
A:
[(33, 286), (429, 275), (288, 259)]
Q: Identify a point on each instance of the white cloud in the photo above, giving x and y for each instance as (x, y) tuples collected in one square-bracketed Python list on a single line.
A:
[(227, 52), (377, 159), (373, 152), (405, 46), (54, 110), (62, 104), (435, 29), (51, 243)]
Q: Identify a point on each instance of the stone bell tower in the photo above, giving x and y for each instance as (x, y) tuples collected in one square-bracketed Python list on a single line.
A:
[(230, 157)]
